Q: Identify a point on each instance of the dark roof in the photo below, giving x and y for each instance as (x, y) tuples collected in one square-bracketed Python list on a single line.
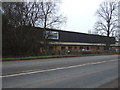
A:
[(70, 36)]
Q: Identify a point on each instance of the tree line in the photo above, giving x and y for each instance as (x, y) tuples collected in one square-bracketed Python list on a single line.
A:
[(107, 23), (19, 40)]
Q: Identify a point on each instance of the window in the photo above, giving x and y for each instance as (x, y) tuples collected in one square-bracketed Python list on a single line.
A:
[(87, 48), (98, 48), (63, 48), (75, 47), (69, 48), (80, 48)]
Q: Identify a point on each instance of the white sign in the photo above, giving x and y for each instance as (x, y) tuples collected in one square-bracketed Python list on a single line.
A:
[(52, 35)]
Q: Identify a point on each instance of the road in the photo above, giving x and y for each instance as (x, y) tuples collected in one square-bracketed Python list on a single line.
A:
[(73, 72)]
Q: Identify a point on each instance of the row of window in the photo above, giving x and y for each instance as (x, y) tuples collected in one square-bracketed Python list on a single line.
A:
[(75, 47), (70, 48)]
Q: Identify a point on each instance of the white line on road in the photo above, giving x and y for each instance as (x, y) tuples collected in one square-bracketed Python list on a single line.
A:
[(59, 68)]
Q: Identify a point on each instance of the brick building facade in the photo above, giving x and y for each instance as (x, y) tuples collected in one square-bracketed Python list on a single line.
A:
[(74, 42)]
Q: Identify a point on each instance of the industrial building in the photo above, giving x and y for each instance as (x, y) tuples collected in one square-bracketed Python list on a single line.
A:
[(60, 41), (32, 41)]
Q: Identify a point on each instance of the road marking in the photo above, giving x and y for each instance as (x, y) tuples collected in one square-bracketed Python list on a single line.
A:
[(59, 68)]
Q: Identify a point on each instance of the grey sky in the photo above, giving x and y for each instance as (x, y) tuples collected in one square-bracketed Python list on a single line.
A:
[(80, 14)]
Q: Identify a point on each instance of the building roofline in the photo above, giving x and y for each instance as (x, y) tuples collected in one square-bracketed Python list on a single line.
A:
[(72, 32)]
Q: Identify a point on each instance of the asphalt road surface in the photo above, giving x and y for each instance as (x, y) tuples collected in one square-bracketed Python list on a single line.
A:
[(73, 72)]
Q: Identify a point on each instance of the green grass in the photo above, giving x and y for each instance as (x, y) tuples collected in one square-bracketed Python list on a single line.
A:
[(43, 57), (33, 57)]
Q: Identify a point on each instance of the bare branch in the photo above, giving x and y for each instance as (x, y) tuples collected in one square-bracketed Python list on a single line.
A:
[(107, 16)]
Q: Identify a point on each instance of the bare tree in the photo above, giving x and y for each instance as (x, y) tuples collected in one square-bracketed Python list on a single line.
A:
[(17, 15), (49, 18), (20, 13), (43, 14), (12, 11), (108, 21), (118, 31)]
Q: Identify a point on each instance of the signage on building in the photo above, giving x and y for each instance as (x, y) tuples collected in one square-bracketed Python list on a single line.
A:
[(52, 35)]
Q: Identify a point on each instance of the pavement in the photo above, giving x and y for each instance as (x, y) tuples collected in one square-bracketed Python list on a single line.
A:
[(111, 84), (73, 72)]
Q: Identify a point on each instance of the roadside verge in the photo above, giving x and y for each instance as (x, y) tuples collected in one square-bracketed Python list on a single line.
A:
[(48, 57)]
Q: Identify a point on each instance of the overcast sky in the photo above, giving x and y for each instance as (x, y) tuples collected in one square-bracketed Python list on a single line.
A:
[(80, 14)]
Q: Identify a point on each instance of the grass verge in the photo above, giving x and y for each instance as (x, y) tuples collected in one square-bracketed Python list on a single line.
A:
[(46, 57), (35, 57)]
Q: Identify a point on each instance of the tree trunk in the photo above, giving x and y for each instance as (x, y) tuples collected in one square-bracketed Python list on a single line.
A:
[(45, 37), (108, 35)]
